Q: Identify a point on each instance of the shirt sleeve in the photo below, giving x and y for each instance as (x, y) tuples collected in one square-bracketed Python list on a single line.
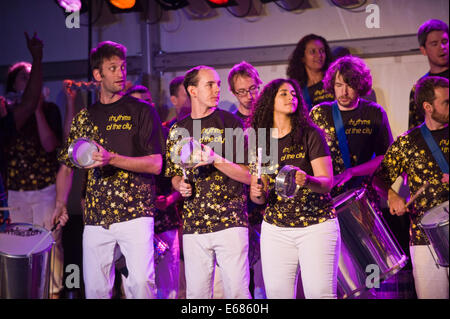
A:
[(172, 168), (317, 145), (151, 135), (384, 134), (393, 164), (81, 127)]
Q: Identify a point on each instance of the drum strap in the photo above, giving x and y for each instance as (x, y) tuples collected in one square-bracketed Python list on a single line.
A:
[(434, 148), (307, 97), (340, 132)]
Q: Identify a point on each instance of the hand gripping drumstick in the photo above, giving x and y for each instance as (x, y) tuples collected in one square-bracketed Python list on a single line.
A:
[(43, 239), (419, 191)]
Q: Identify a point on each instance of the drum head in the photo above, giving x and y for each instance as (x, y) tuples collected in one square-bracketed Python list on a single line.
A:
[(19, 239), (436, 216), (285, 185), (80, 152)]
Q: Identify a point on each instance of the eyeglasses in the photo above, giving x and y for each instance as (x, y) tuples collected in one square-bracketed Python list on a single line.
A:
[(243, 92)]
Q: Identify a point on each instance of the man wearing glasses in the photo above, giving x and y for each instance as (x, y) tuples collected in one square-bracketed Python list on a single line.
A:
[(244, 83)]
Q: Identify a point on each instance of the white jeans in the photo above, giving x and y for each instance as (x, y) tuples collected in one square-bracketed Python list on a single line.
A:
[(135, 239), (315, 249), (36, 207), (229, 249), (168, 268), (430, 280)]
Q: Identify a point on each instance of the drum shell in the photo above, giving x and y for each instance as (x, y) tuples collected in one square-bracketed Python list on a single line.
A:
[(438, 235), (23, 277), (366, 243)]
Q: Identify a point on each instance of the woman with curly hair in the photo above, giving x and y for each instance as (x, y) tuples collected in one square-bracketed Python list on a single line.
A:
[(301, 231), (307, 65)]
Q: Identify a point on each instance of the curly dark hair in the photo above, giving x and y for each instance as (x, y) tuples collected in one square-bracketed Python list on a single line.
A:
[(262, 113), (354, 72), (296, 68)]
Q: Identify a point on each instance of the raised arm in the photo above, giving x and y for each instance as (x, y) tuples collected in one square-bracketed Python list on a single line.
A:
[(32, 93)]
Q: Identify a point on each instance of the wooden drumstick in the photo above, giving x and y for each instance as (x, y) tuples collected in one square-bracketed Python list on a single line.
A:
[(259, 163), (9, 208), (419, 191), (43, 239)]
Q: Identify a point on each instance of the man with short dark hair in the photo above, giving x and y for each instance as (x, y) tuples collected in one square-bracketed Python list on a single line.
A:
[(120, 190), (179, 99), (411, 154), (214, 214), (433, 40)]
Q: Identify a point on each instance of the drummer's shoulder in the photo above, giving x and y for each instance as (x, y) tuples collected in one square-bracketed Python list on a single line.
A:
[(321, 108), (408, 136)]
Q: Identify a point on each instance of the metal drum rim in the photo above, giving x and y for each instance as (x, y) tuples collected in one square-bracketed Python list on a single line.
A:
[(71, 146), (279, 179), (35, 253), (356, 193), (440, 224)]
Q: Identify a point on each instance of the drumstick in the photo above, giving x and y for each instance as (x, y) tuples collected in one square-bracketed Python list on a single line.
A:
[(185, 176), (419, 191), (43, 239), (259, 166), (8, 208)]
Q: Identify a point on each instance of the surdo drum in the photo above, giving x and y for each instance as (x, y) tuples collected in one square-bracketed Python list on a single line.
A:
[(369, 252), (435, 225), (25, 267)]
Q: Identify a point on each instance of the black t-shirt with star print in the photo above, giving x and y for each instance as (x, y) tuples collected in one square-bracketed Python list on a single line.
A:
[(128, 127), (410, 154), (218, 202)]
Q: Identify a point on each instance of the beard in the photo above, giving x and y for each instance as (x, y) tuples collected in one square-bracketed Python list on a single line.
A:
[(439, 117)]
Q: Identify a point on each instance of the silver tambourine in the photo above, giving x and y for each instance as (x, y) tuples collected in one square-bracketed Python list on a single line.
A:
[(80, 152), (285, 185), (187, 152)]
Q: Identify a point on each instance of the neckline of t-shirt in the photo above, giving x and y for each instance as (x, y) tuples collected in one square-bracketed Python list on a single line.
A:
[(440, 130), (113, 103), (282, 138), (203, 118), (438, 74), (352, 110)]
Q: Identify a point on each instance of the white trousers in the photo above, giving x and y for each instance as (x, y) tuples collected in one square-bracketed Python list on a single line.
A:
[(430, 280), (36, 207), (135, 239), (315, 249), (229, 249), (168, 268)]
